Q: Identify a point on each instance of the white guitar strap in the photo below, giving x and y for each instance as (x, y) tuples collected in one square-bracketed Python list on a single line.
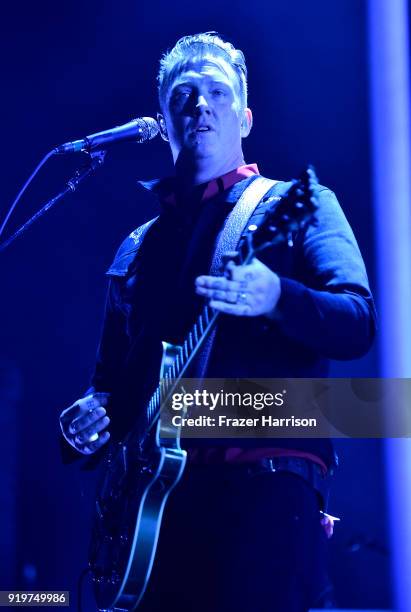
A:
[(228, 240)]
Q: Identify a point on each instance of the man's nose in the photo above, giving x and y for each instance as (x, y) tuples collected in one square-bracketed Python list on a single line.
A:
[(202, 105)]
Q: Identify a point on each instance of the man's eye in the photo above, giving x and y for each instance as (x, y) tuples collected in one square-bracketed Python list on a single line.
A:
[(218, 92), (179, 97)]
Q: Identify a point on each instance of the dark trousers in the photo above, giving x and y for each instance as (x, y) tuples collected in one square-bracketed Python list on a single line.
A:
[(237, 542)]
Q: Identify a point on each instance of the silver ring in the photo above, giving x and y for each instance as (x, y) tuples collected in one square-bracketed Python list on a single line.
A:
[(242, 298)]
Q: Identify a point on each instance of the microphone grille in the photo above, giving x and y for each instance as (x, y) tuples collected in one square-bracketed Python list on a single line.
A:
[(148, 129)]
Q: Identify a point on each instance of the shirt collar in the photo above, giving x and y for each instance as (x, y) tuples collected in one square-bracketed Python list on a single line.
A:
[(166, 188)]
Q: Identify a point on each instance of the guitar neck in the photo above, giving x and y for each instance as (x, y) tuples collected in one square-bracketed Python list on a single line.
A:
[(184, 355), (193, 342), (180, 363)]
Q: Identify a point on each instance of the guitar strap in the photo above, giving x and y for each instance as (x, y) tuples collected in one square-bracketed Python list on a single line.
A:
[(228, 240), (237, 220)]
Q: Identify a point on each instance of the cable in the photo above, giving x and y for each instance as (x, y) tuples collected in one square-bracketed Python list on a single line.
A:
[(95, 159), (23, 189)]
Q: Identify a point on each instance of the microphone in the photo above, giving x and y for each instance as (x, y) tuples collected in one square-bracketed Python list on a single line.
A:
[(138, 130)]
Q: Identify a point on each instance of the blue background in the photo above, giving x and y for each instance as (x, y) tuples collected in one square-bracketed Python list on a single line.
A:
[(74, 68)]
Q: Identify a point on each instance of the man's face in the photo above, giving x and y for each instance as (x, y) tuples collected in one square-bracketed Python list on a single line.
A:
[(203, 113)]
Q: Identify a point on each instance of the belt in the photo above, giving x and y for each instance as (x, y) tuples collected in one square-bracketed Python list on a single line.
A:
[(310, 471), (306, 469)]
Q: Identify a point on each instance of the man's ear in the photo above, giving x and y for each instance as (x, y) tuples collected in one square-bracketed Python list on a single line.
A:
[(162, 125), (246, 123)]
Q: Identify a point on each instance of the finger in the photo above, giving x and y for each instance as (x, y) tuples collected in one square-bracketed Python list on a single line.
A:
[(82, 406), (94, 400), (240, 310), (212, 282), (102, 397), (85, 420), (92, 447), (70, 413), (216, 284), (230, 265), (230, 296), (86, 434)]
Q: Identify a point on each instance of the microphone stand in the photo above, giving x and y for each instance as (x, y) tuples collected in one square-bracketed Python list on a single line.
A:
[(96, 159)]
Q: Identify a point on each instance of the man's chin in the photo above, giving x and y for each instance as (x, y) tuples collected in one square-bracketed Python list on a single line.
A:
[(203, 153), (192, 154)]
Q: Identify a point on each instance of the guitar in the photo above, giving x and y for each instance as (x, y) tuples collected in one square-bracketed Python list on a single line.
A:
[(141, 471)]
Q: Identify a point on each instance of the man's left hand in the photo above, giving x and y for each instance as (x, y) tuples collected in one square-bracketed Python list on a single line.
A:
[(249, 291)]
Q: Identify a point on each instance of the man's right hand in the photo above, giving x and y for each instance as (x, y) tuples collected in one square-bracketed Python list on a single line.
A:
[(83, 423)]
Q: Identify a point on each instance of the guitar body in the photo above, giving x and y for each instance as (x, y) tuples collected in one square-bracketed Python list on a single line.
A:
[(141, 471), (129, 508)]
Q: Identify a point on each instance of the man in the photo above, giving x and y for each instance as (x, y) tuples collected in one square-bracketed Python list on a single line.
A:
[(242, 530)]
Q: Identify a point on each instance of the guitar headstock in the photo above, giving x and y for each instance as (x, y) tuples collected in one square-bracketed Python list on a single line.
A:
[(294, 210)]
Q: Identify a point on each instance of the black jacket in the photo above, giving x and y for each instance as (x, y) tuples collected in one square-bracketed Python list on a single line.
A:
[(325, 310)]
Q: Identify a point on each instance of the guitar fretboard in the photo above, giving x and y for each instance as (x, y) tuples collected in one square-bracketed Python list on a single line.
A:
[(180, 362)]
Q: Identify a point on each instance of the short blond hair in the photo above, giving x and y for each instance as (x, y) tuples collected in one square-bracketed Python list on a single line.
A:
[(198, 46)]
